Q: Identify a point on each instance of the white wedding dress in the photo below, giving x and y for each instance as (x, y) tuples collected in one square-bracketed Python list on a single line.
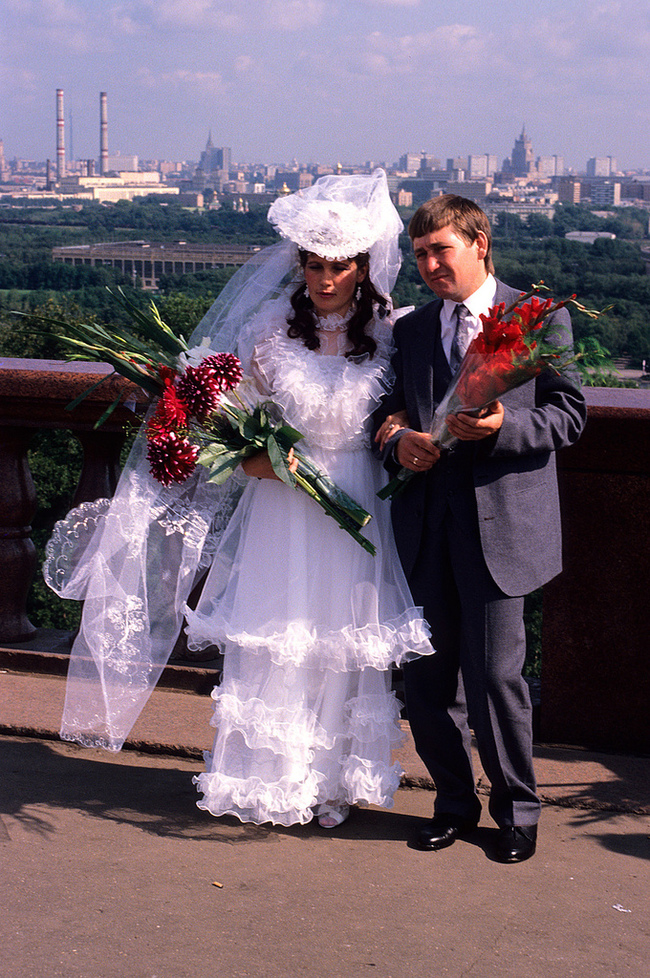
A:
[(311, 624)]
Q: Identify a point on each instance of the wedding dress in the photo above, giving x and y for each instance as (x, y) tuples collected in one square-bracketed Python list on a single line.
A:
[(311, 624)]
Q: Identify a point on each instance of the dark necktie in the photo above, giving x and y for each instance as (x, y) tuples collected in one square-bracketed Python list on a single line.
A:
[(461, 336)]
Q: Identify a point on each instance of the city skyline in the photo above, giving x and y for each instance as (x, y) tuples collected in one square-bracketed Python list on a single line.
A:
[(368, 79)]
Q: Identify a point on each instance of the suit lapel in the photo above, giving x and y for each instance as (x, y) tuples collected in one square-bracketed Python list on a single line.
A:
[(505, 293), (426, 337)]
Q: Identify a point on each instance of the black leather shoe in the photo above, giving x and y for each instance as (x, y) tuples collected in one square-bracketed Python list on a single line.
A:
[(516, 843), (443, 830)]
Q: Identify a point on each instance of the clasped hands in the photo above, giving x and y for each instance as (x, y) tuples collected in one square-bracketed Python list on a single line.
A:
[(416, 451)]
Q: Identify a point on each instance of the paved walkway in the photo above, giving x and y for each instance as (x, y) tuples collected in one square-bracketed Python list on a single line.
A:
[(110, 870)]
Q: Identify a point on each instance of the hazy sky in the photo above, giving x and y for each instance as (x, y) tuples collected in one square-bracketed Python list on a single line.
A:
[(329, 80)]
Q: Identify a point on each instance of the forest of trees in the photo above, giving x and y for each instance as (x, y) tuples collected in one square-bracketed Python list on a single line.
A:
[(608, 272), (525, 251)]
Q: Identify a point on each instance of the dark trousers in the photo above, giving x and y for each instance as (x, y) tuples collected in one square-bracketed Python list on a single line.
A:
[(474, 679)]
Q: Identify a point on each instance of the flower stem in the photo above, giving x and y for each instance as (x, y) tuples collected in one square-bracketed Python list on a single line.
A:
[(341, 518)]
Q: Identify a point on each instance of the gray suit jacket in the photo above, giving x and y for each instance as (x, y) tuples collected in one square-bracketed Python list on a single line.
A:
[(513, 473)]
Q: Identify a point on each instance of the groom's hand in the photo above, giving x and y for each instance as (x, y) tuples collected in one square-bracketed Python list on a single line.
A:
[(416, 451), (469, 427)]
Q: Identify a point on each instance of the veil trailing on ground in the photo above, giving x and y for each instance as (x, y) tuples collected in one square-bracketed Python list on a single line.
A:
[(134, 560)]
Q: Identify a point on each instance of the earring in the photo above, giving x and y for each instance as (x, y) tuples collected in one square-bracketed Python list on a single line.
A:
[(358, 293), (307, 295)]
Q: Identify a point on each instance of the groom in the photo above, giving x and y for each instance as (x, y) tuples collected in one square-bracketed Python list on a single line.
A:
[(476, 532)]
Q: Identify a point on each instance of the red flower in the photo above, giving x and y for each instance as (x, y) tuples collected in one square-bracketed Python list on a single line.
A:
[(171, 413), (200, 388), (226, 367), (491, 325), (171, 459), (167, 375), (532, 314)]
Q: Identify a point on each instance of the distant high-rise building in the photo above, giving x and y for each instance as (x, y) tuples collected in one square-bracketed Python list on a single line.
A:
[(292, 180), (476, 190), (214, 166), (477, 167), (522, 155), (605, 193), (410, 163), (481, 166), (550, 166), (456, 163), (569, 190), (120, 162), (215, 158), (429, 162), (601, 166)]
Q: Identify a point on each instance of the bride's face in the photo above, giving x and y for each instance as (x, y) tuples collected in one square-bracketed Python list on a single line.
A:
[(332, 284)]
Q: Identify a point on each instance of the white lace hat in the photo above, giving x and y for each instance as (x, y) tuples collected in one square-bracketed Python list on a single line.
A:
[(328, 228), (338, 216)]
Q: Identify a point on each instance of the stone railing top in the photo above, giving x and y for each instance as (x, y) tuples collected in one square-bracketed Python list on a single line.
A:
[(625, 398), (36, 393)]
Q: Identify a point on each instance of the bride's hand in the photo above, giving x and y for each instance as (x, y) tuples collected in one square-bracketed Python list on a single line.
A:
[(259, 466), (391, 426)]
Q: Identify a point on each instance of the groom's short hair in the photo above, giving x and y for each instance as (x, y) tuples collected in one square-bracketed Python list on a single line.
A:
[(450, 210)]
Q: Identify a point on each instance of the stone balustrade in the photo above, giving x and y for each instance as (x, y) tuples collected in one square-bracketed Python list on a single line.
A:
[(35, 394), (595, 687)]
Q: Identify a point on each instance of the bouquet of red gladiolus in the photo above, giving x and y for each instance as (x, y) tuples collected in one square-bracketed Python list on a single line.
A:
[(207, 414), (512, 348)]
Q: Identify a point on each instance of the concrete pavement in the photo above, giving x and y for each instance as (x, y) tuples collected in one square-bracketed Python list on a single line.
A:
[(110, 870)]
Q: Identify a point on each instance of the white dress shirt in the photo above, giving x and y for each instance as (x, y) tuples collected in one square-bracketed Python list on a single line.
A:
[(476, 303)]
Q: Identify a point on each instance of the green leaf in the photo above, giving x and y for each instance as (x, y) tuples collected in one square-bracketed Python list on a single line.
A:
[(220, 471), (279, 461), (252, 430), (107, 413), (211, 453), (151, 326), (287, 436)]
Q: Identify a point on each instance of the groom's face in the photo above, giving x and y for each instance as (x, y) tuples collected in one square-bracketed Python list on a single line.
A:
[(450, 266)]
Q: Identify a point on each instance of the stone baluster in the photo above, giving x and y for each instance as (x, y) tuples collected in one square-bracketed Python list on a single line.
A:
[(17, 552), (101, 464)]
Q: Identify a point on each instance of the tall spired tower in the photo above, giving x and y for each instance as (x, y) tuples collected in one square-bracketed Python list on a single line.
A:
[(522, 155)]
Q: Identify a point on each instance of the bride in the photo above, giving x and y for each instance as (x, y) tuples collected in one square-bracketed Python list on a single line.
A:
[(310, 623)]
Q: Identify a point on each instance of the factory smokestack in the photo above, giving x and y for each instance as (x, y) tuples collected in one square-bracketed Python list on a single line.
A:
[(60, 135), (103, 135)]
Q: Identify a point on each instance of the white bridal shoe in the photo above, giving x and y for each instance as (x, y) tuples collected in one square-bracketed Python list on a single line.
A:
[(329, 816)]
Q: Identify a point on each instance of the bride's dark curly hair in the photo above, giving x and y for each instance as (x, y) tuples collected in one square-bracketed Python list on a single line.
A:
[(302, 324)]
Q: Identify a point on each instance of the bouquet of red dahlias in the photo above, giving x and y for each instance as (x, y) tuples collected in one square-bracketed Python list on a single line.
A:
[(207, 414), (512, 348), (211, 415)]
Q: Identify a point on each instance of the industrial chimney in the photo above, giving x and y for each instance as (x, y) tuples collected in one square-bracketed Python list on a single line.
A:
[(103, 135), (60, 135)]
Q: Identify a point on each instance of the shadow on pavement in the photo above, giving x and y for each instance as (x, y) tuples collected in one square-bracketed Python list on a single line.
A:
[(158, 798)]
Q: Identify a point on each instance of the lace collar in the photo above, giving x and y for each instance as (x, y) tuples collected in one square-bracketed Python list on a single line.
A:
[(334, 322)]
